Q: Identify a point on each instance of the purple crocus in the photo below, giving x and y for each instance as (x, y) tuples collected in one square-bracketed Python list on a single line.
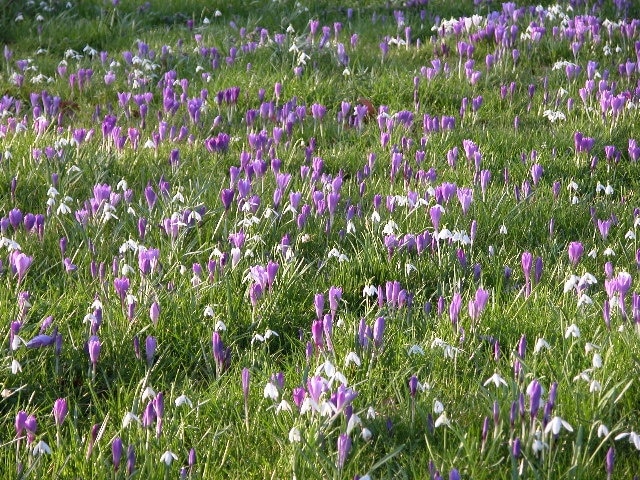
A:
[(150, 349), (575, 251), (527, 259), (93, 348), (116, 453), (60, 410), (121, 286), (344, 447)]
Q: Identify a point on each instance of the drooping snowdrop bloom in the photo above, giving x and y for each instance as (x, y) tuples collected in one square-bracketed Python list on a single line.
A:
[(496, 379), (556, 424), (168, 458), (634, 438)]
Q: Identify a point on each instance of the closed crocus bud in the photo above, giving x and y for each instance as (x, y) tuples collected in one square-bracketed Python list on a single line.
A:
[(344, 447), (154, 312), (116, 452), (413, 386), (609, 461), (60, 410), (454, 474), (378, 331), (131, 460), (516, 448)]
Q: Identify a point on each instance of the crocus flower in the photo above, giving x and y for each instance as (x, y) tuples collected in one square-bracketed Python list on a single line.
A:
[(344, 447), (575, 251), (60, 410), (116, 452)]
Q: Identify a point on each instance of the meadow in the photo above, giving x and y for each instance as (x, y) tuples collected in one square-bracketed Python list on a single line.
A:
[(289, 239)]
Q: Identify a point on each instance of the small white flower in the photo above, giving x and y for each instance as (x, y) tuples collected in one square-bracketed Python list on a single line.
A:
[(208, 311), (609, 252), (375, 217), (584, 375), (541, 343), (390, 228), (594, 386), (496, 379), (15, 367), (369, 291), (220, 326), (371, 414), (538, 446), (41, 448), (352, 357), (590, 347), (283, 406), (438, 407), (168, 457), (634, 438), (603, 430), (206, 21), (442, 420), (271, 391), (128, 418), (572, 331), (584, 300), (597, 360), (148, 393), (294, 435), (183, 400), (556, 424), (630, 235), (366, 436), (415, 350), (354, 421)]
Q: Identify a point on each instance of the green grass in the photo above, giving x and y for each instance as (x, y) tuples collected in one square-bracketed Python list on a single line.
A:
[(346, 250)]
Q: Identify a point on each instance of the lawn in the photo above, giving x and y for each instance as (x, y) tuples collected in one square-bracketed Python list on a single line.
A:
[(287, 240)]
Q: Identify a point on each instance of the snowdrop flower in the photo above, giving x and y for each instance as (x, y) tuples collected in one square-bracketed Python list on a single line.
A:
[(594, 386), (408, 268), (573, 186), (538, 446), (41, 448), (584, 300), (442, 420), (130, 417), (352, 357), (540, 344), (15, 367), (375, 217), (496, 379), (369, 291), (556, 424), (283, 406), (208, 311), (371, 413), (390, 228), (603, 430), (609, 252), (438, 407), (572, 331), (630, 235), (415, 350), (590, 347), (584, 375), (148, 393), (294, 435), (597, 360), (271, 391), (168, 457), (354, 421), (503, 229), (444, 234), (366, 436), (220, 327), (634, 438), (593, 253), (183, 400)]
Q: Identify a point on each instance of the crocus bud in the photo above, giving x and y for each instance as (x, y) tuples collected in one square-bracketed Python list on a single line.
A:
[(60, 410), (116, 453)]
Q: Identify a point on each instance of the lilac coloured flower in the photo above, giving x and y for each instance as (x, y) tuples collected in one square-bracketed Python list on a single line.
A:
[(60, 410), (116, 453), (344, 447)]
